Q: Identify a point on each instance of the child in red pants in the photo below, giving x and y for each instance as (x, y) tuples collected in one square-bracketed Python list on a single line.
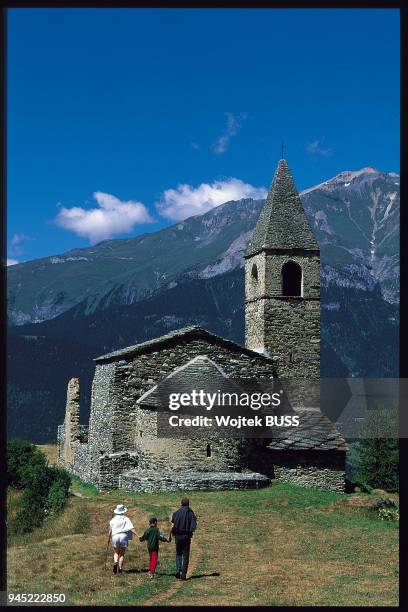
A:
[(153, 536)]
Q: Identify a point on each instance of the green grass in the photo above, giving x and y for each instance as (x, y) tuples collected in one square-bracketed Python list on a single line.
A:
[(282, 545), (83, 488)]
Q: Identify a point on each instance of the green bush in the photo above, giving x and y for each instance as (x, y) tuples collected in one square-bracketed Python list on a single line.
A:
[(58, 491), (377, 464), (21, 456), (388, 514), (365, 487), (31, 513), (377, 454), (45, 488), (56, 497)]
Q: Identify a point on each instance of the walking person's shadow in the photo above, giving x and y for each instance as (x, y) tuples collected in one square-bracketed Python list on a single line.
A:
[(205, 575), (212, 574)]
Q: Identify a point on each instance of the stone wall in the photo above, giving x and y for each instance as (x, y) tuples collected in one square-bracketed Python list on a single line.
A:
[(293, 326), (102, 418), (118, 424), (255, 326), (136, 375), (81, 466), (184, 455), (313, 469), (145, 480), (60, 443), (69, 432), (123, 449), (111, 467)]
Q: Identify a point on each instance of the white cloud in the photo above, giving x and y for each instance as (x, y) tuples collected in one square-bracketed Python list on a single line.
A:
[(316, 148), (186, 201), (195, 146), (12, 262), (19, 238), (16, 244), (234, 123), (111, 217)]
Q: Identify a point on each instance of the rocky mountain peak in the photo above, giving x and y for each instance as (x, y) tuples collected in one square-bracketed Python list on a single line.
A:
[(348, 177)]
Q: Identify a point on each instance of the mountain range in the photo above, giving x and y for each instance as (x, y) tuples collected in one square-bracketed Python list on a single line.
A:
[(66, 309)]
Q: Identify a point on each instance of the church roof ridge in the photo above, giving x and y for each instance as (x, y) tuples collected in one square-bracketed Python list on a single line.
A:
[(182, 332), (282, 223)]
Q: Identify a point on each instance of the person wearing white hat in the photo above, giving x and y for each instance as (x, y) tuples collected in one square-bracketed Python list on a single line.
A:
[(120, 530)]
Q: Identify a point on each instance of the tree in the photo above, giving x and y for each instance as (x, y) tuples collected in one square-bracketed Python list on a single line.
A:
[(377, 460)]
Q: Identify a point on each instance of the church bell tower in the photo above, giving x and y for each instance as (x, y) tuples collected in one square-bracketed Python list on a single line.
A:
[(282, 282)]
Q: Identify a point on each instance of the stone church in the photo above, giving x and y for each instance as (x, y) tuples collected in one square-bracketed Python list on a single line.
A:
[(121, 448)]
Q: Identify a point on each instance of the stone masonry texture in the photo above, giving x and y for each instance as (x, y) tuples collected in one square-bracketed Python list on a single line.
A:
[(121, 449)]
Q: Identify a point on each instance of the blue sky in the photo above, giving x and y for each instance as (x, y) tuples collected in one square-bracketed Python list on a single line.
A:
[(122, 121)]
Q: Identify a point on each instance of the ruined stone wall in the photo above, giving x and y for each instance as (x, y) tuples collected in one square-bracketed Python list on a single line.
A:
[(111, 466), (60, 443), (81, 465), (102, 419), (69, 431)]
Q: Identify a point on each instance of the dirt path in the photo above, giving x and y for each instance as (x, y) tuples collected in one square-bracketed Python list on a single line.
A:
[(176, 586), (152, 601)]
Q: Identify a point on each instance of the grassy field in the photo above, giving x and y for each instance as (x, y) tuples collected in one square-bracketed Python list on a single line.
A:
[(283, 545)]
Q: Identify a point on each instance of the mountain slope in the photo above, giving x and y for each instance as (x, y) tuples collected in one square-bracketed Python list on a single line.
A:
[(356, 221), (355, 217), (359, 338)]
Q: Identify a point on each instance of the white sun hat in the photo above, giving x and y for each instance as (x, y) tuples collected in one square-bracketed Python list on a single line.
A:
[(120, 509)]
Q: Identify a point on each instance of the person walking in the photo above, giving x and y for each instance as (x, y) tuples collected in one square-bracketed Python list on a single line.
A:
[(184, 523), (120, 530), (153, 537)]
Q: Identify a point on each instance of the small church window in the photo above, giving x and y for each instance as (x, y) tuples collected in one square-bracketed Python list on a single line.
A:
[(209, 450), (141, 433), (292, 357), (254, 272), (291, 279)]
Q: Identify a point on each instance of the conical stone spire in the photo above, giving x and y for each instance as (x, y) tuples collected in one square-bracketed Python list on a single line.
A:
[(282, 223)]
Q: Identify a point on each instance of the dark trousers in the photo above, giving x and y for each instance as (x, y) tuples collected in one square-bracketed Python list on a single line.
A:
[(182, 553)]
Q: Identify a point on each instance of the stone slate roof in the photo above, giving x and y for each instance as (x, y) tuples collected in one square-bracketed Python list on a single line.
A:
[(315, 432), (199, 372), (192, 332), (282, 223)]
